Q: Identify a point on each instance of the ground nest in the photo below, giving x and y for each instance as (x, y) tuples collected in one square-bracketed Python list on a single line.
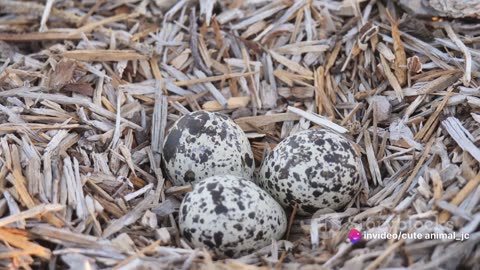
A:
[(88, 90)]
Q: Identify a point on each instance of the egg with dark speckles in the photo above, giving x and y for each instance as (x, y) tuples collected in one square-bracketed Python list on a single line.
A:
[(203, 144), (314, 169), (230, 216)]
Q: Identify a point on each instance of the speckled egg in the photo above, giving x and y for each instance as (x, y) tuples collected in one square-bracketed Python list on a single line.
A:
[(315, 169), (231, 216), (203, 144)]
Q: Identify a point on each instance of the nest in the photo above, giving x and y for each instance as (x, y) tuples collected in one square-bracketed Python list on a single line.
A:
[(88, 90)]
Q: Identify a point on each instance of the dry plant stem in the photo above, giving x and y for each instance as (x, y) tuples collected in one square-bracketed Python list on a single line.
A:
[(290, 222), (91, 11), (35, 211), (400, 61), (460, 197), (89, 27), (138, 254), (419, 164), (278, 265), (468, 57), (103, 55), (392, 79), (43, 36), (378, 261), (21, 241), (429, 126), (318, 120), (213, 78)]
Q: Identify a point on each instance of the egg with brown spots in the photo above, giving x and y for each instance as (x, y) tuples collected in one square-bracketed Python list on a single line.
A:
[(230, 216), (314, 169), (203, 144)]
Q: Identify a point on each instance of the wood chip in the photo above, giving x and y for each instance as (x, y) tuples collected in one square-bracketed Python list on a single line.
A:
[(104, 55), (318, 120)]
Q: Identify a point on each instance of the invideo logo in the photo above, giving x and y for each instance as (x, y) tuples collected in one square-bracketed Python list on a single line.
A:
[(354, 236)]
